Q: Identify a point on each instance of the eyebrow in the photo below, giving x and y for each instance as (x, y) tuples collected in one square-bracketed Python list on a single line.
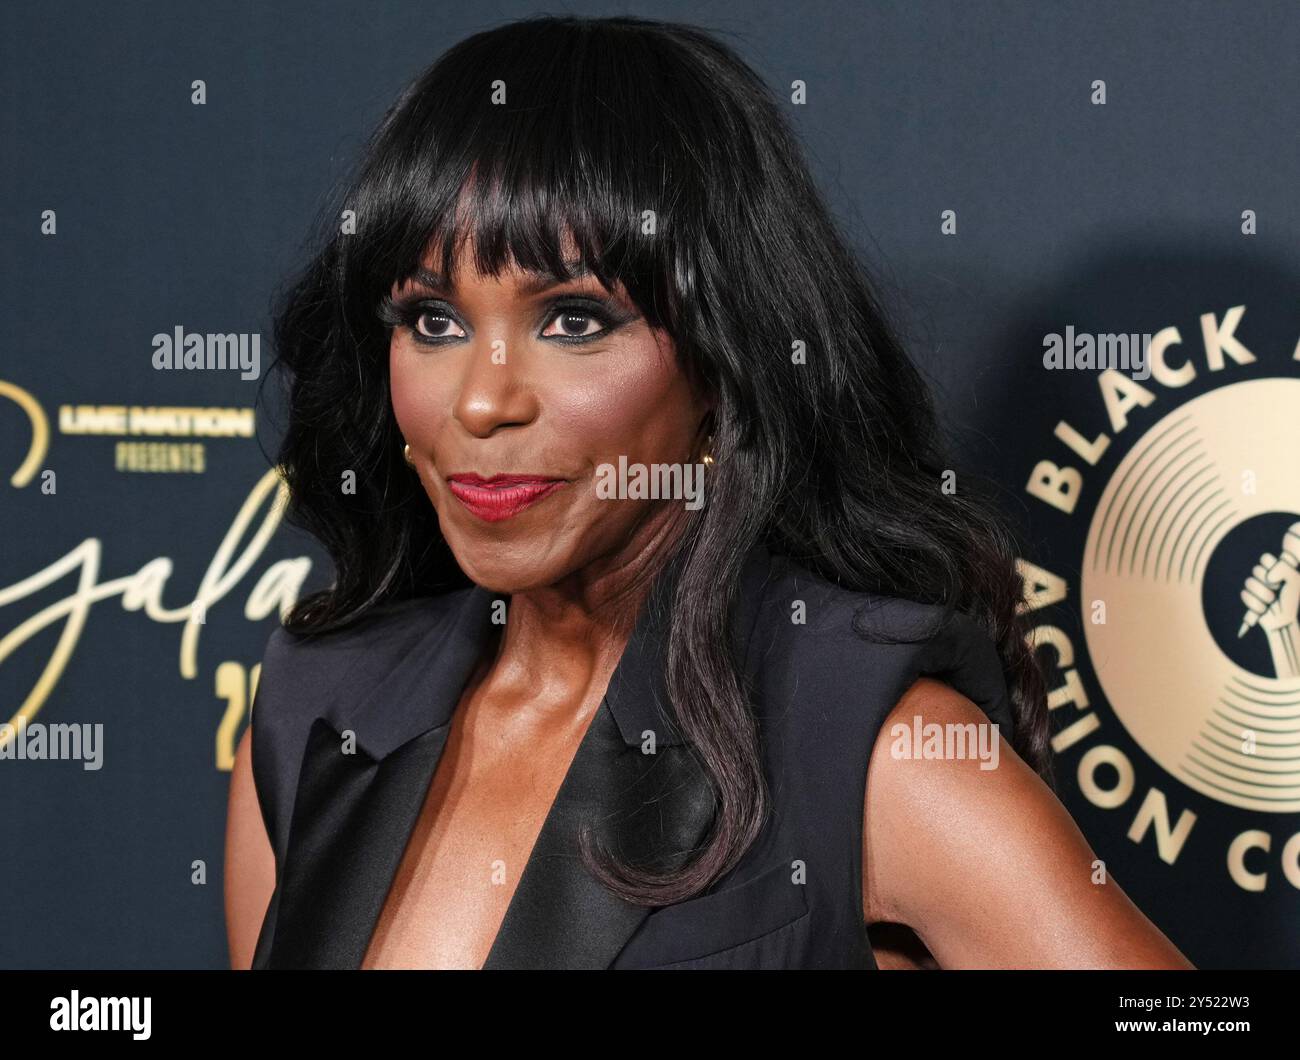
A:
[(540, 281)]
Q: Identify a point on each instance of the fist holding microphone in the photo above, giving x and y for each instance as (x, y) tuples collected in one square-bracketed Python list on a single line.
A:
[(1272, 592)]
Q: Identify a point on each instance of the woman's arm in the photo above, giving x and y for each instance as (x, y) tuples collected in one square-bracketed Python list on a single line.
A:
[(986, 866), (250, 861)]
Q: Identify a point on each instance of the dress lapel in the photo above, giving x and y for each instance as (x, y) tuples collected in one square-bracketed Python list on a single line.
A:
[(353, 814), (367, 765)]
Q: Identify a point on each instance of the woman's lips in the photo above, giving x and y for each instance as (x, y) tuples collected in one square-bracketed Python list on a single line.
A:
[(501, 496)]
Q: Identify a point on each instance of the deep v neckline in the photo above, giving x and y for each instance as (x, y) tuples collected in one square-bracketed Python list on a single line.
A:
[(371, 748), (472, 685)]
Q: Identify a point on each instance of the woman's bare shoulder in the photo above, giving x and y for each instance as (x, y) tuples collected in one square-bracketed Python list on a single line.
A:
[(975, 853)]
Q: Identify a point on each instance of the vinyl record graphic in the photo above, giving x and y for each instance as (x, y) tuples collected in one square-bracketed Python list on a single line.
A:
[(1206, 504)]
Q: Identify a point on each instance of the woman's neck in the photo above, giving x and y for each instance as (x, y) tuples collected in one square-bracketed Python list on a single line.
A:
[(562, 642)]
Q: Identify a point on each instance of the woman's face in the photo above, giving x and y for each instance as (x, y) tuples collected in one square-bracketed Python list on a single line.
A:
[(538, 385)]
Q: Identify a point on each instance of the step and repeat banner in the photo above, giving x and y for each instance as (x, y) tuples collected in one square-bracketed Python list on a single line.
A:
[(1086, 223)]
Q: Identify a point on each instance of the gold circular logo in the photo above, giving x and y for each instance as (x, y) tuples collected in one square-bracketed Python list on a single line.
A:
[(1230, 731)]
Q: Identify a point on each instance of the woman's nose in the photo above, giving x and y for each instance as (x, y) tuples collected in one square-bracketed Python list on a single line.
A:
[(495, 390)]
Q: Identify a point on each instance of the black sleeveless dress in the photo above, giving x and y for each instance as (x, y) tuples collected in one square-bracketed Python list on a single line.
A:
[(339, 812)]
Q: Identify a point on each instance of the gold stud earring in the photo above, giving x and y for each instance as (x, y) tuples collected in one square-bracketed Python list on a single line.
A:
[(707, 458), (406, 452)]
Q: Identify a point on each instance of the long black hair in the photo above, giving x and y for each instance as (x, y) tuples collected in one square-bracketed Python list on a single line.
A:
[(671, 165)]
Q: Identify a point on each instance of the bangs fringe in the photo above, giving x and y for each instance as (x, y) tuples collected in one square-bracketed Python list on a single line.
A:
[(563, 169)]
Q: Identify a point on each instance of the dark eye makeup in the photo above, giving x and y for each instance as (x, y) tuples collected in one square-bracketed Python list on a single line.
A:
[(572, 311)]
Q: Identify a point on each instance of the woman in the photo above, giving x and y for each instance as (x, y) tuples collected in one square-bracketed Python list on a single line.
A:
[(642, 541)]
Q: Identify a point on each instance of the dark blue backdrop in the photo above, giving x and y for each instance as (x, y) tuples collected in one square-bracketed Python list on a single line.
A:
[(1126, 216)]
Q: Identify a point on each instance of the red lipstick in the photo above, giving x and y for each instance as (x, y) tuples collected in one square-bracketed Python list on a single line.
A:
[(501, 496)]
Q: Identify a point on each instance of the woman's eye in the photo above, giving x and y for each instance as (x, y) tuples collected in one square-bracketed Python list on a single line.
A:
[(432, 324), (574, 324)]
